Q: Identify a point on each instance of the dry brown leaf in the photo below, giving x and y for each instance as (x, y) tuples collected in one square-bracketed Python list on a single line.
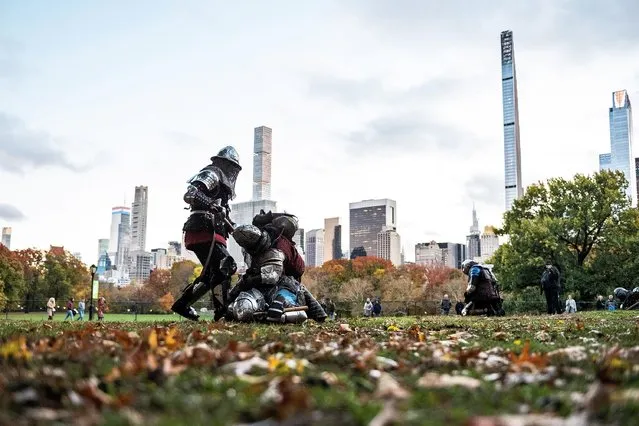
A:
[(573, 353), (152, 340), (500, 335), (387, 415), (434, 380), (89, 390), (388, 387), (526, 359), (345, 328)]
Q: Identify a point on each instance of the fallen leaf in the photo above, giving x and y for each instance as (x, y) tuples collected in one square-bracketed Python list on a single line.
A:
[(345, 328), (500, 335), (388, 415), (153, 340), (388, 387), (240, 368), (434, 380)]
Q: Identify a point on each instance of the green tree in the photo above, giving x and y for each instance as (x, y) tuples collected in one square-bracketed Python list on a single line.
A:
[(11, 277), (568, 223)]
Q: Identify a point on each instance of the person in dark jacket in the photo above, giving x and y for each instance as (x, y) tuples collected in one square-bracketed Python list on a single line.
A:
[(550, 288), (377, 308), (445, 305)]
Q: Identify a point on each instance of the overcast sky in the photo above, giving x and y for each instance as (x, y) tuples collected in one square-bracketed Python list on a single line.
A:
[(367, 99)]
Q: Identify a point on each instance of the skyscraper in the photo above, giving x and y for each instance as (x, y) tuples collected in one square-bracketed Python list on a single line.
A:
[(6, 237), (262, 144), (243, 213), (367, 219), (389, 245), (315, 247), (489, 243), (138, 218), (337, 243), (103, 246), (120, 242), (620, 157), (512, 151), (329, 237), (637, 175), (473, 239)]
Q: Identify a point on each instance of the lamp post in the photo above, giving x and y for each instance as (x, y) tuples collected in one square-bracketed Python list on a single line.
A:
[(93, 270)]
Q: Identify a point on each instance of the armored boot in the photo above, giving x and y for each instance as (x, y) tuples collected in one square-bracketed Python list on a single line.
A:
[(315, 310), (191, 294)]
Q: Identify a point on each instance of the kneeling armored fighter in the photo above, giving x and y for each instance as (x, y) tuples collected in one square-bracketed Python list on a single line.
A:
[(629, 300), (482, 294), (264, 292)]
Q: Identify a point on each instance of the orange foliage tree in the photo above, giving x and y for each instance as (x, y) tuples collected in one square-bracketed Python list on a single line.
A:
[(166, 301)]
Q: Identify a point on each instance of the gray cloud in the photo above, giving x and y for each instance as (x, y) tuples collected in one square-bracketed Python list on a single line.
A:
[(21, 148), (402, 132), (9, 212), (487, 189), (586, 25), (354, 92)]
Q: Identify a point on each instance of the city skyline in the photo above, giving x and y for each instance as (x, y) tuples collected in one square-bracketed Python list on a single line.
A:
[(74, 87)]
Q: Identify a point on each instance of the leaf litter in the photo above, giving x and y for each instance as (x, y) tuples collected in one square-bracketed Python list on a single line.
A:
[(397, 370)]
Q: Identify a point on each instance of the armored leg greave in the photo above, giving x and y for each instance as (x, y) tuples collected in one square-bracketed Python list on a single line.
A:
[(315, 310), (191, 294)]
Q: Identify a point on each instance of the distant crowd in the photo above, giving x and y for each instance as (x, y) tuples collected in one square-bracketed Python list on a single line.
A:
[(72, 311)]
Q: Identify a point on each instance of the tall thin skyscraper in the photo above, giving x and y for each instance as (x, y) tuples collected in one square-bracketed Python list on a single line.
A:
[(138, 218), (473, 240), (262, 145), (245, 211), (637, 176), (103, 247), (620, 157), (512, 151)]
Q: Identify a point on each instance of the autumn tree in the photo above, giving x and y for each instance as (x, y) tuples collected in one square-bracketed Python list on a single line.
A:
[(33, 270), (159, 284), (12, 283), (356, 290), (181, 272)]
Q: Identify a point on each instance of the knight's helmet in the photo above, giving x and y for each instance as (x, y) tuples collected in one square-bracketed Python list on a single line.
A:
[(228, 161), (251, 239), (466, 265), (287, 224), (247, 304), (621, 293)]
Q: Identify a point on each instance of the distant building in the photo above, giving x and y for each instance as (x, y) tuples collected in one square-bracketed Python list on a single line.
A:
[(6, 237), (367, 219), (329, 237), (262, 148), (298, 239), (389, 246), (444, 254), (103, 247), (473, 242), (175, 248), (138, 218), (315, 247), (140, 266), (489, 243), (510, 104), (620, 157), (337, 243), (428, 254), (453, 254)]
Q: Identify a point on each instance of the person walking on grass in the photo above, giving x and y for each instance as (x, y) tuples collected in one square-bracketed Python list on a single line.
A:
[(81, 308), (445, 305), (51, 308), (69, 309)]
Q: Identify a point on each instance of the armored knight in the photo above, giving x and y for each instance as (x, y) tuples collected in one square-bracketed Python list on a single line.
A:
[(264, 291), (207, 230), (281, 227), (482, 289)]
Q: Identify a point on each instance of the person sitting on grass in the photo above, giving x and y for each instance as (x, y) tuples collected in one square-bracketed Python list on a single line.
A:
[(611, 305)]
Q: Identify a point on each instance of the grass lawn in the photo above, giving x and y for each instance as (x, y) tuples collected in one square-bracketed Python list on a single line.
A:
[(578, 369), (59, 317)]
